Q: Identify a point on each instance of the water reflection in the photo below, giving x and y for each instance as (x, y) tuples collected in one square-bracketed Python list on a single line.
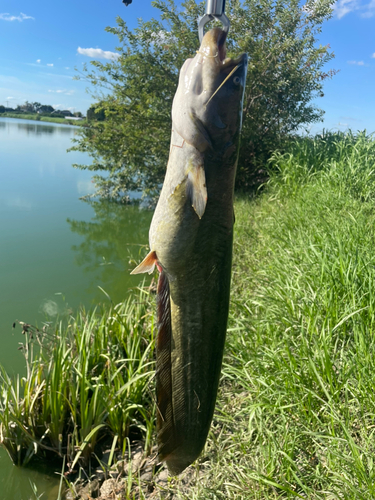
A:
[(55, 308), (113, 241), (85, 187), (17, 202), (16, 482), (40, 129)]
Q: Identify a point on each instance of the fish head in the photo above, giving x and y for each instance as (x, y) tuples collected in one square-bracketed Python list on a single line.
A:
[(207, 108)]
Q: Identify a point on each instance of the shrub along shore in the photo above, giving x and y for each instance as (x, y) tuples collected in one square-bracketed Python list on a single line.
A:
[(295, 415)]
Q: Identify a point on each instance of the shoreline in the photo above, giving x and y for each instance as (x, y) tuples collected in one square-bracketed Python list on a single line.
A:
[(38, 118)]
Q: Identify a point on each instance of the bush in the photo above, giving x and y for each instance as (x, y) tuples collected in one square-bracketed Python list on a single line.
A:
[(135, 90)]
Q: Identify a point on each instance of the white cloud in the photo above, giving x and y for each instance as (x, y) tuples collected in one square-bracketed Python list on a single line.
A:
[(343, 7), (67, 67), (62, 91), (369, 9), (98, 53), (50, 65), (8, 98), (350, 119), (56, 75), (358, 63), (7, 17), (38, 60), (365, 9)]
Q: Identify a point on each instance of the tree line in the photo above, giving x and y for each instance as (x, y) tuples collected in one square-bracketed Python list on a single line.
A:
[(38, 108)]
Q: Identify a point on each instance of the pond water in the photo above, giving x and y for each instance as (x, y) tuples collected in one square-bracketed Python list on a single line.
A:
[(55, 250)]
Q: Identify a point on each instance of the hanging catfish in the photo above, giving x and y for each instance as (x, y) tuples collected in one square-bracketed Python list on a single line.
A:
[(191, 244)]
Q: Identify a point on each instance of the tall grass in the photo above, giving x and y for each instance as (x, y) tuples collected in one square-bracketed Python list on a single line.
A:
[(296, 412), (85, 381), (295, 416), (345, 161)]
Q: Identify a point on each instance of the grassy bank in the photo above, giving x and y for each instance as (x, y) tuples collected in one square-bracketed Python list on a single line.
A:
[(295, 416), (36, 117), (296, 413)]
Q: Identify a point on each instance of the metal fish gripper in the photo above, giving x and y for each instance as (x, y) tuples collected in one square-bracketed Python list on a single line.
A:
[(214, 10)]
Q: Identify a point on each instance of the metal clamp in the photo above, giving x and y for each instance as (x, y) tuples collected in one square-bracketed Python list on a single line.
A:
[(214, 10)]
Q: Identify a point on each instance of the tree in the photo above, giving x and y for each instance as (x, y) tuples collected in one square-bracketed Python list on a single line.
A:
[(95, 113), (28, 107), (46, 108), (2, 108), (135, 90), (36, 106)]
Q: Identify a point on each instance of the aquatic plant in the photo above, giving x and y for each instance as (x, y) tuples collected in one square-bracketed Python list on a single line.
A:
[(86, 379)]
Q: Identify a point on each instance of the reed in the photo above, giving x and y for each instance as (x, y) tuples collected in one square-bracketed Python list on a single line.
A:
[(86, 380)]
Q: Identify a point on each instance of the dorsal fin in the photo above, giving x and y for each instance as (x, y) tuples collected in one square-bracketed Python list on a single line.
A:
[(147, 265), (168, 440)]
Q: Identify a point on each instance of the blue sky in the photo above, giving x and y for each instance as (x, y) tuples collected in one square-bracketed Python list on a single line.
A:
[(42, 42)]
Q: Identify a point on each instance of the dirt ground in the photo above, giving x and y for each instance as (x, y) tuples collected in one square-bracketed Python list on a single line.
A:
[(140, 478)]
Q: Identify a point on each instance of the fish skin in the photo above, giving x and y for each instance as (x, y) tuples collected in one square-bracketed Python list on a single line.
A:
[(191, 237)]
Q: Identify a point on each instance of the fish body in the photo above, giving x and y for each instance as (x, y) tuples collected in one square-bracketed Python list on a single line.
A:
[(190, 239)]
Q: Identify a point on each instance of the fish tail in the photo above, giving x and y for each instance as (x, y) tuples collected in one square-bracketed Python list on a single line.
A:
[(165, 422)]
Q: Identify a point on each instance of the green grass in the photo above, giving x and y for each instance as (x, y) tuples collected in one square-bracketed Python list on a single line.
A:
[(36, 117), (295, 415), (296, 411), (85, 382)]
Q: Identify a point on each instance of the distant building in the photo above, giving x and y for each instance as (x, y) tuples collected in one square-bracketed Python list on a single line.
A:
[(64, 112)]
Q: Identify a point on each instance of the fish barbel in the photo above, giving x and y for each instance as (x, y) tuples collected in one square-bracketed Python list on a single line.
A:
[(190, 239)]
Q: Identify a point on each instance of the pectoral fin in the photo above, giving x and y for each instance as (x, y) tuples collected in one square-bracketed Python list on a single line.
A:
[(147, 265), (187, 124), (196, 189)]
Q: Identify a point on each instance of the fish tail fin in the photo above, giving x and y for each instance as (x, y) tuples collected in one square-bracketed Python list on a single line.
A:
[(147, 265), (166, 432)]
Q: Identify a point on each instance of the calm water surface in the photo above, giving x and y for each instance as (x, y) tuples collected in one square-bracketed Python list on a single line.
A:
[(55, 250)]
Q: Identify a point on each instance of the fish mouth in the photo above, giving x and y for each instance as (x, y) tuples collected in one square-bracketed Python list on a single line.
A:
[(213, 46), (221, 45)]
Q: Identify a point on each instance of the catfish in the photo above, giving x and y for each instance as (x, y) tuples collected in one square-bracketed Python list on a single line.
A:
[(191, 237)]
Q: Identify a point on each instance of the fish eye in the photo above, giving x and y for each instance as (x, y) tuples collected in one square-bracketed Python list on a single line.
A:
[(236, 80)]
